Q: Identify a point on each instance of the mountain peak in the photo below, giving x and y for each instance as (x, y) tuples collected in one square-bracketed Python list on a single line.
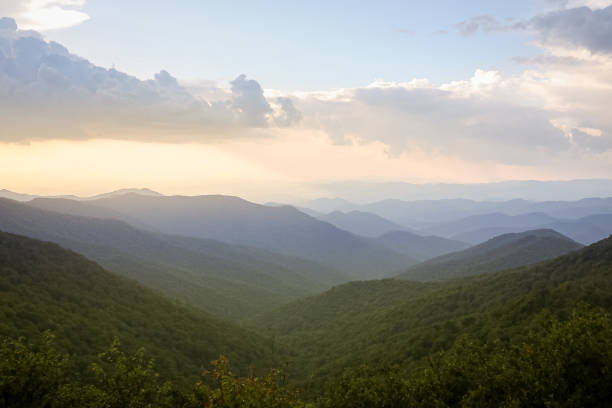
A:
[(505, 251), (124, 191)]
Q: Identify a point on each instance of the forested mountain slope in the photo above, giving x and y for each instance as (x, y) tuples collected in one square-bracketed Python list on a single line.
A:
[(226, 280), (400, 322), (45, 287), (502, 252)]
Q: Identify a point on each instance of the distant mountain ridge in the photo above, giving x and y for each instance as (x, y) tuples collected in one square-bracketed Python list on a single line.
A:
[(122, 191), (281, 229), (223, 279), (4, 193), (479, 228), (497, 219), (534, 190), (84, 208), (362, 223), (503, 252), (420, 247), (423, 214)]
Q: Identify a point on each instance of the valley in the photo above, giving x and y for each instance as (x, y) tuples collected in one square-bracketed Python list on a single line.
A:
[(181, 281)]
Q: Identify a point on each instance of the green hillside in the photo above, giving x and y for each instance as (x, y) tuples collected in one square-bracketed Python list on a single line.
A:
[(400, 322), (491, 340), (228, 281), (45, 287), (503, 252)]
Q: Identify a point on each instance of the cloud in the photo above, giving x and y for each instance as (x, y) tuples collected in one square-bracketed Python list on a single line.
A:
[(287, 115), (248, 101), (572, 85), (576, 27), (525, 120), (485, 23), (591, 141), (549, 60), (43, 15), (8, 24), (488, 23), (592, 4), (558, 110), (47, 92)]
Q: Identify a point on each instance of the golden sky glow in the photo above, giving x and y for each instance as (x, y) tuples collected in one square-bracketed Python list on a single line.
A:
[(275, 168)]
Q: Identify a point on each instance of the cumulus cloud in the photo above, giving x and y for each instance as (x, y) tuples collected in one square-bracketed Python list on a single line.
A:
[(287, 114), (475, 119), (44, 15), (560, 111), (47, 92), (249, 102), (559, 107)]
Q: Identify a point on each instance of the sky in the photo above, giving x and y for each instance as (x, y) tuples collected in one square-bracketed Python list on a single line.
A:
[(266, 99)]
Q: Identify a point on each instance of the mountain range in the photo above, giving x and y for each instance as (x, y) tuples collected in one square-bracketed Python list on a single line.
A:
[(226, 280), (402, 323), (162, 282), (420, 247), (283, 230), (533, 190), (424, 214), (45, 287), (362, 223), (502, 252), (479, 228)]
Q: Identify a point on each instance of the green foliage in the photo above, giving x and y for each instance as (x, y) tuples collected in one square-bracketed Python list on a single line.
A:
[(562, 364), (511, 339), (248, 392), (395, 321), (128, 381), (567, 365), (31, 377), (44, 287)]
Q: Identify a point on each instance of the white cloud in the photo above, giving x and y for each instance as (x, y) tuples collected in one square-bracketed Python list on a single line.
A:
[(557, 111), (44, 15), (462, 119), (46, 92), (592, 4)]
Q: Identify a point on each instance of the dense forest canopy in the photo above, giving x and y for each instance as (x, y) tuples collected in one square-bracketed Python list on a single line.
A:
[(44, 287), (476, 341)]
